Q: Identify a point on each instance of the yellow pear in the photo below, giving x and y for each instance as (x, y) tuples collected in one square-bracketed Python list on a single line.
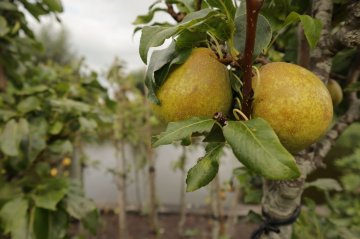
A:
[(294, 101), (199, 87), (335, 92)]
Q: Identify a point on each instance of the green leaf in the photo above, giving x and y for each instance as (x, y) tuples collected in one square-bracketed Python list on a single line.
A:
[(263, 34), (159, 67), (153, 36), (179, 130), (215, 134), (14, 218), (236, 83), (12, 135), (8, 191), (205, 169), (312, 27), (189, 39), (91, 221), (70, 106), (143, 19), (37, 137), (351, 182), (256, 145), (54, 5), (325, 184), (226, 6), (8, 6), (56, 128), (61, 147), (35, 9), (30, 90), (48, 224), (28, 104), (48, 194), (4, 29), (5, 115), (87, 124), (77, 205)]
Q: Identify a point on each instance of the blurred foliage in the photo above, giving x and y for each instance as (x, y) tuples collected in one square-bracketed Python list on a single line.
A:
[(39, 122), (56, 45), (342, 209), (45, 104), (250, 186), (339, 215)]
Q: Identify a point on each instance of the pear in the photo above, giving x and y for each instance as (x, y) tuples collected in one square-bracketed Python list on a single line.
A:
[(198, 87), (294, 101), (335, 92)]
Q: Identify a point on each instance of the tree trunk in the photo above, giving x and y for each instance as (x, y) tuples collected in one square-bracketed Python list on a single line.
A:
[(121, 184), (153, 207), (76, 169), (152, 193), (182, 219), (135, 154)]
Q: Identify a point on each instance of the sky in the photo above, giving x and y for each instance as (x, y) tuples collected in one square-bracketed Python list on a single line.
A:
[(101, 30)]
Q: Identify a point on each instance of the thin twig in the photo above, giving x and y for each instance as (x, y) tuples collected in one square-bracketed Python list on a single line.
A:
[(262, 60), (177, 16)]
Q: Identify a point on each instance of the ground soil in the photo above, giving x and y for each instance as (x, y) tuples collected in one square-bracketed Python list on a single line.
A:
[(196, 227)]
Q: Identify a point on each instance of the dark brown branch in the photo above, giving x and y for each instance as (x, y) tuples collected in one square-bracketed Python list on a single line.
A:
[(252, 11), (337, 76), (177, 16)]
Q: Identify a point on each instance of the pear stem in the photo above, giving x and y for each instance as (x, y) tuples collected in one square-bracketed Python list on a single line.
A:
[(252, 12)]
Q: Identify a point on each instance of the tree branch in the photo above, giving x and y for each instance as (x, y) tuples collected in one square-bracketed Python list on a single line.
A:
[(348, 35), (198, 5), (303, 56), (177, 16), (321, 55)]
